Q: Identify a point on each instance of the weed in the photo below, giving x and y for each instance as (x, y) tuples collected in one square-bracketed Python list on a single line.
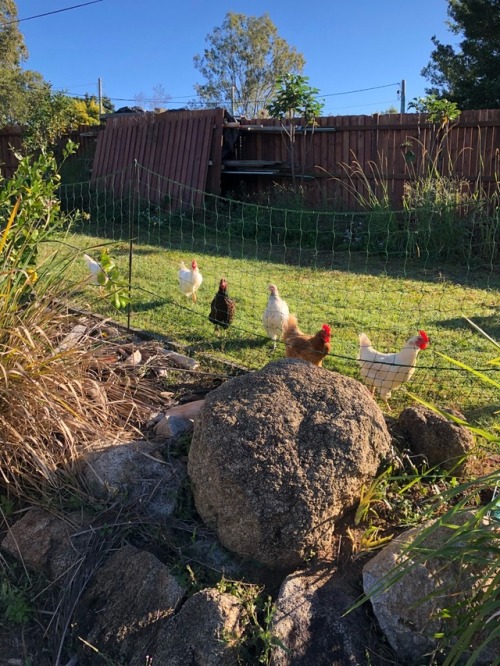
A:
[(258, 642), (14, 603), (374, 494)]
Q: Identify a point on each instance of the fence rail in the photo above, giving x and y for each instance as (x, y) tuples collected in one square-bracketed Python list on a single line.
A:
[(391, 150), (345, 158)]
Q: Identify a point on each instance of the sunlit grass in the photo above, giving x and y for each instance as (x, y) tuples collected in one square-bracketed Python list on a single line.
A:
[(389, 309)]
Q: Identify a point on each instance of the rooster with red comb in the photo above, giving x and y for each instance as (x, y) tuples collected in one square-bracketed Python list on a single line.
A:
[(385, 372)]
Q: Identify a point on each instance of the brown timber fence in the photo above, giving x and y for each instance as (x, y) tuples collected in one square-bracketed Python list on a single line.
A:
[(344, 157), (391, 149), (11, 139)]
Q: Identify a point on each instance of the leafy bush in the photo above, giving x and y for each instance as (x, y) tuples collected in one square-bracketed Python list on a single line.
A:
[(48, 404)]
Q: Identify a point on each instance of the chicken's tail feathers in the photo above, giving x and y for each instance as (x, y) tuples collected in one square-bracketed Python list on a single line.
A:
[(290, 326), (364, 340)]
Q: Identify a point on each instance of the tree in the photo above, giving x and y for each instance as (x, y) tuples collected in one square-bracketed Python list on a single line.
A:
[(244, 58), (53, 114), (13, 50), (294, 101), (391, 109), (470, 76), (18, 87), (156, 100), (107, 104)]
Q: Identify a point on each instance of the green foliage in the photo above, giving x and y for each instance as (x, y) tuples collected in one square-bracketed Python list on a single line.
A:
[(14, 603), (439, 111), (111, 279), (92, 101), (52, 114), (258, 642), (294, 99), (13, 50), (443, 215), (470, 74), (17, 85), (372, 495), (33, 220), (41, 383), (19, 91), (245, 56)]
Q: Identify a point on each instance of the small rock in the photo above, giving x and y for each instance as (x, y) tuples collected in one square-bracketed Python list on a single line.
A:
[(181, 360), (409, 611), (441, 441), (130, 471), (173, 426), (126, 603), (47, 543), (205, 631), (313, 625), (72, 339)]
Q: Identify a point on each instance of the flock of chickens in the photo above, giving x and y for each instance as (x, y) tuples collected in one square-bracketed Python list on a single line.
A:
[(381, 372)]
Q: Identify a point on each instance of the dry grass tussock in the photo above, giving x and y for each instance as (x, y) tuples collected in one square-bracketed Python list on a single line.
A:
[(55, 401), (55, 397)]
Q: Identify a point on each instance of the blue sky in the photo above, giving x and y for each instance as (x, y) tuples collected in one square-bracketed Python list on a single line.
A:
[(134, 45)]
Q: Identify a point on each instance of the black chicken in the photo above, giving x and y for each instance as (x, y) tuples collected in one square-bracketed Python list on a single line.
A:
[(222, 308)]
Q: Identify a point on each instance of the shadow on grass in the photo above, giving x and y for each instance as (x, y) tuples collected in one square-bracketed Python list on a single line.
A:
[(490, 324), (427, 269)]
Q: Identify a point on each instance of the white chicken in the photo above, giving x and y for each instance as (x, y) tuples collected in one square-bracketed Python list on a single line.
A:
[(190, 280), (275, 315), (386, 372), (95, 271)]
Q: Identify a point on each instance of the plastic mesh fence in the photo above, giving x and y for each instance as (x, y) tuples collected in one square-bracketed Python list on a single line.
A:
[(386, 273)]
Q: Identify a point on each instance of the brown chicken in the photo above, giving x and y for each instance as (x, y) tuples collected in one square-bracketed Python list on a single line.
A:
[(312, 348)]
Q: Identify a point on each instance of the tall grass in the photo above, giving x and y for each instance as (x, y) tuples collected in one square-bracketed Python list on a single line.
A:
[(54, 398), (443, 216), (462, 541)]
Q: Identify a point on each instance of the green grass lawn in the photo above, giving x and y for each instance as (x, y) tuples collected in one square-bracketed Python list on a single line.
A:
[(390, 300)]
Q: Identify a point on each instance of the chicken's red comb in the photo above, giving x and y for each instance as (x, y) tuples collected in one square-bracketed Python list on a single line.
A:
[(326, 328), (424, 336)]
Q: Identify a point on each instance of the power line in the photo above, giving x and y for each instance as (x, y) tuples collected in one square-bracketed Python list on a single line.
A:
[(56, 11), (350, 92), (172, 99)]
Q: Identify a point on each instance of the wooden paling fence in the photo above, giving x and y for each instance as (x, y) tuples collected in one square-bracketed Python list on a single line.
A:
[(343, 158), (11, 139), (391, 149)]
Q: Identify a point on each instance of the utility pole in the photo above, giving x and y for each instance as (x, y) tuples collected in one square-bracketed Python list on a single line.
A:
[(99, 95), (233, 90), (403, 96)]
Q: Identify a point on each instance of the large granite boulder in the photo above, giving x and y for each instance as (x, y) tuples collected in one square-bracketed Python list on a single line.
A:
[(279, 455)]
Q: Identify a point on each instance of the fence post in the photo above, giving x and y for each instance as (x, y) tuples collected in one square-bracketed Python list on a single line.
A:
[(133, 213)]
